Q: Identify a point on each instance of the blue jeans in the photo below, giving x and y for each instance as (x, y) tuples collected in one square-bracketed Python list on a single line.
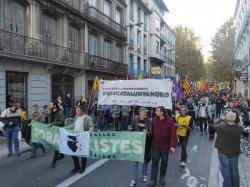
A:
[(11, 135), (34, 147), (229, 170), (134, 170)]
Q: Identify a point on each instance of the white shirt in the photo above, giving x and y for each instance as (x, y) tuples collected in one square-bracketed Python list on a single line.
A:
[(79, 124), (203, 112)]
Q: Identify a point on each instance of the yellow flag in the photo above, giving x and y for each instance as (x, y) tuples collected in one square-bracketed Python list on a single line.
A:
[(187, 86), (216, 88), (96, 84), (140, 77), (201, 85)]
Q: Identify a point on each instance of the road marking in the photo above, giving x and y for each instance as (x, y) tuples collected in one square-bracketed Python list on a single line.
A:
[(77, 177), (194, 148), (186, 175), (192, 182)]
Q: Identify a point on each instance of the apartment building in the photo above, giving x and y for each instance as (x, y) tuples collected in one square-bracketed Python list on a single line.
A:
[(151, 43), (242, 48), (138, 38), (49, 48), (162, 42)]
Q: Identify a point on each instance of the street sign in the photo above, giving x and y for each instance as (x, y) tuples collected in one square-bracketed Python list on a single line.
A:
[(156, 70), (243, 76)]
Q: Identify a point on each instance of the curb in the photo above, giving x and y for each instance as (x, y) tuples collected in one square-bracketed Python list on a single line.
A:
[(215, 177), (214, 174)]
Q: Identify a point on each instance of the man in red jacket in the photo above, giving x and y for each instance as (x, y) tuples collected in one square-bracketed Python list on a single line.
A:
[(164, 141)]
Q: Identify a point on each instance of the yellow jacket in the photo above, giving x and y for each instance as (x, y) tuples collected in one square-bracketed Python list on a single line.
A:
[(184, 124)]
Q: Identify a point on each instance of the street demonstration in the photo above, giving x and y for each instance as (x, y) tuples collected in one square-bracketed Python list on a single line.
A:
[(141, 121)]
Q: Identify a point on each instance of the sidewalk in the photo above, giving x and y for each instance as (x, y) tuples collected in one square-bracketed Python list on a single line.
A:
[(4, 150), (215, 177)]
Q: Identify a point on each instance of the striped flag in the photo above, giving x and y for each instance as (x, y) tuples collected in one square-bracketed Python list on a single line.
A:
[(187, 86), (216, 88), (201, 85)]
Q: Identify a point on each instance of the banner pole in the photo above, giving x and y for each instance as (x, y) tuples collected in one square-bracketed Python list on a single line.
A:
[(151, 113), (133, 113)]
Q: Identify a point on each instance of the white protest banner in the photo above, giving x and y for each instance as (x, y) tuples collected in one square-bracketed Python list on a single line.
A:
[(76, 144), (147, 92)]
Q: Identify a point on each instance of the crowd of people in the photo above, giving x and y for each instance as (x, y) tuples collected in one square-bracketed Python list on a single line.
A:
[(165, 129)]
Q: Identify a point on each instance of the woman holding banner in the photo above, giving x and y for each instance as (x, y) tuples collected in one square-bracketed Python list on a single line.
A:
[(142, 124)]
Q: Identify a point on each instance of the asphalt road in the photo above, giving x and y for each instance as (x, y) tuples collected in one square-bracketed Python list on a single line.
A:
[(15, 172)]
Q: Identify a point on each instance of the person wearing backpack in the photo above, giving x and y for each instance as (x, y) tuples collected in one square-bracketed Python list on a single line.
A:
[(203, 116)]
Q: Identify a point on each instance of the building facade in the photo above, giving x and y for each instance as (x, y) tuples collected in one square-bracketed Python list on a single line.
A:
[(49, 48), (162, 42), (151, 43), (138, 38), (242, 48)]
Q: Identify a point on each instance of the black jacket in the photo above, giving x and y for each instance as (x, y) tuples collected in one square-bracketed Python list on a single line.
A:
[(149, 137), (228, 138)]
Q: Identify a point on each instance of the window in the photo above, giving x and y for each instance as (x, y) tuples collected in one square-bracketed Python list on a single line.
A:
[(16, 88), (145, 22), (73, 44), (165, 51), (139, 41), (118, 54), (14, 14), (93, 45), (157, 47), (131, 65), (106, 50), (73, 38), (131, 37), (93, 3), (138, 66), (131, 10), (118, 19), (145, 44), (145, 66), (118, 16), (157, 22), (139, 20), (48, 29), (106, 8)]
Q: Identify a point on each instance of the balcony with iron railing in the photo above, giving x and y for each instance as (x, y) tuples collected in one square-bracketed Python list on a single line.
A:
[(160, 57), (95, 15), (18, 46), (163, 37)]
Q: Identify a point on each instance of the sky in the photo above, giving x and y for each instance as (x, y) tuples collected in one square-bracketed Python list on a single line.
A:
[(203, 16)]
